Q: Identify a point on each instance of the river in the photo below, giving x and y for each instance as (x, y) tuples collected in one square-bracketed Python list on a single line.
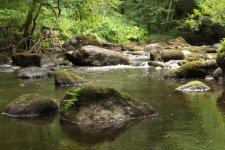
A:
[(186, 121)]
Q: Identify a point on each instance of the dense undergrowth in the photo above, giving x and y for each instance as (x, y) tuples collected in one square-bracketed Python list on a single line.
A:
[(24, 23)]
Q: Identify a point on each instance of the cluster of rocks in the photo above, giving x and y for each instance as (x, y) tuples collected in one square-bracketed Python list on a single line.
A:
[(91, 108), (94, 109)]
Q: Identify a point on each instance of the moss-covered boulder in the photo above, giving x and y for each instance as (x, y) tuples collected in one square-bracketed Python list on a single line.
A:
[(98, 108), (96, 56), (193, 69), (66, 78), (168, 55), (31, 105), (194, 86)]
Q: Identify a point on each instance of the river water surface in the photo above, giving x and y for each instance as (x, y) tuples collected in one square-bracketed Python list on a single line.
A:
[(185, 122)]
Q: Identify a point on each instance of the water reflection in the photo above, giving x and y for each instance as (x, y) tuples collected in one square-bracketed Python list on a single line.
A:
[(87, 137), (221, 102), (34, 121)]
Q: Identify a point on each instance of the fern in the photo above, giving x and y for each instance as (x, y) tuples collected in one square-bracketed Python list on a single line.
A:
[(74, 94)]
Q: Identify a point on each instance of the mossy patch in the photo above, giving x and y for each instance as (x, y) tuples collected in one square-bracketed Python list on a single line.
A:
[(133, 48), (193, 69), (195, 83), (194, 86), (135, 53), (66, 78), (30, 105)]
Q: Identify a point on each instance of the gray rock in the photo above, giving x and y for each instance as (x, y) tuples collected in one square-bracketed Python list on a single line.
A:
[(35, 73), (30, 105), (96, 56), (168, 55)]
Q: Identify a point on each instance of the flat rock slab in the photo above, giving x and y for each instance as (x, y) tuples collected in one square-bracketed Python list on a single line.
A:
[(35, 73)]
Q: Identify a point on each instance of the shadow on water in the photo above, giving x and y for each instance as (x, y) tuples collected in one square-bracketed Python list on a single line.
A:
[(86, 137), (221, 102)]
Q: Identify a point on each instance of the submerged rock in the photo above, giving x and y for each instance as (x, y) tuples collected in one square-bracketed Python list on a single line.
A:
[(96, 56), (27, 60), (35, 73), (65, 78), (95, 108), (30, 105), (193, 69), (194, 86)]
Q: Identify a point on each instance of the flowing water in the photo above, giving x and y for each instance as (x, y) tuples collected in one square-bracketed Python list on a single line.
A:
[(185, 122)]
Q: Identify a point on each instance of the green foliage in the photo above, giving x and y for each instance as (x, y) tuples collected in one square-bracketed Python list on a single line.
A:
[(74, 95), (221, 49), (209, 12)]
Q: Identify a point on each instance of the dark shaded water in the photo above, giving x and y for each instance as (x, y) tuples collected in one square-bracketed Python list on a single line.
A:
[(185, 121)]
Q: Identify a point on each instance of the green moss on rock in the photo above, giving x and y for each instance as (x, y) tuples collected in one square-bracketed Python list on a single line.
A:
[(194, 86), (193, 69), (101, 108), (30, 105), (66, 78), (168, 55)]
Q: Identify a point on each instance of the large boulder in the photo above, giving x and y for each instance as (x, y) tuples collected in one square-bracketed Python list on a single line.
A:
[(96, 56), (34, 73), (193, 69), (66, 78), (31, 105), (193, 86), (27, 60), (96, 108)]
